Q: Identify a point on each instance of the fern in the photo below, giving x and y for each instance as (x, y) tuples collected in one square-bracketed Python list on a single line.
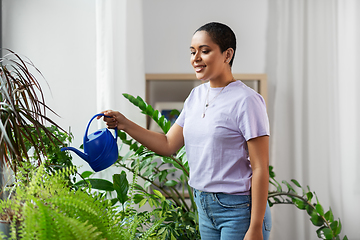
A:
[(47, 208)]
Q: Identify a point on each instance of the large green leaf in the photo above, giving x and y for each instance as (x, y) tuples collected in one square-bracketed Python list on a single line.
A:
[(121, 186), (319, 209), (299, 203), (329, 216), (317, 220), (87, 174), (171, 183), (96, 183), (325, 233)]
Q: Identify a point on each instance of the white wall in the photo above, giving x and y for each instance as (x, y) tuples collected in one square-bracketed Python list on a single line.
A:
[(169, 25), (59, 37)]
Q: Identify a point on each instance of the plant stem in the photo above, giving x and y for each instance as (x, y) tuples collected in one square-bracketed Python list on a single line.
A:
[(288, 194), (182, 166), (156, 185), (176, 191)]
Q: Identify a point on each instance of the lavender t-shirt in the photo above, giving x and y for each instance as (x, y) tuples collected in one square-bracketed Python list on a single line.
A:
[(216, 145)]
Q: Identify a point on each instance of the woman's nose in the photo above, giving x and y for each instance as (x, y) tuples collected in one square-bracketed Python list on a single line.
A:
[(197, 56)]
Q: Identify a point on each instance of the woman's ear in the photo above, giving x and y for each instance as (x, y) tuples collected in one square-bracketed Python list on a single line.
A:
[(229, 53)]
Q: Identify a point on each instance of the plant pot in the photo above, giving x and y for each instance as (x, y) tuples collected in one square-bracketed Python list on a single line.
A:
[(5, 229)]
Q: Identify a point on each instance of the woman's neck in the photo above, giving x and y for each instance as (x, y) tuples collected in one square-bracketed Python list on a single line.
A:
[(221, 81)]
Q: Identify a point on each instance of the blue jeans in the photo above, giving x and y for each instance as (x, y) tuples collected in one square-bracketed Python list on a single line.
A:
[(226, 217)]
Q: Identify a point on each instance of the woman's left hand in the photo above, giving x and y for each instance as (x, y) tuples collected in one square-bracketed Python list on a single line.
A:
[(253, 234)]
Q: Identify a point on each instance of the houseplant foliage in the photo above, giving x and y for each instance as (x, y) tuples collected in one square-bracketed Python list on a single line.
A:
[(48, 207), (154, 175), (164, 221), (181, 223), (328, 226), (22, 111)]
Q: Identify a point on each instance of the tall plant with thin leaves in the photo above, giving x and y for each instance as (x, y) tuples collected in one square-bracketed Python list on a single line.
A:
[(22, 111)]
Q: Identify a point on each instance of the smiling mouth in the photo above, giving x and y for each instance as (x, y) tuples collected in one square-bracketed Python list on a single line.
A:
[(199, 68)]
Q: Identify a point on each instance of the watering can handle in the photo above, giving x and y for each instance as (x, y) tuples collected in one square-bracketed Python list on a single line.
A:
[(87, 128)]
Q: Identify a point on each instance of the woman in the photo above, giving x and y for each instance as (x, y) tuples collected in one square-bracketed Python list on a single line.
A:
[(225, 129)]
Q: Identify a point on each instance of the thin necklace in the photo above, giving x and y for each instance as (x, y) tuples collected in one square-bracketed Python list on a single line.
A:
[(207, 103)]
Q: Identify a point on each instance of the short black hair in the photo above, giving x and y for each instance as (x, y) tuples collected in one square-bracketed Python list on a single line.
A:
[(222, 35)]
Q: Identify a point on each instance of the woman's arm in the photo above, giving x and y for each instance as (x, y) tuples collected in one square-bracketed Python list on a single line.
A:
[(158, 142), (259, 159)]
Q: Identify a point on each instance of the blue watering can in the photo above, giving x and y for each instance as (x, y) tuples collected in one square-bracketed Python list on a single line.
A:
[(100, 148)]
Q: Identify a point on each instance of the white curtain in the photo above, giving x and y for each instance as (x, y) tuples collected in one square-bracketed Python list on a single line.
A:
[(349, 86), (314, 108), (119, 55), (119, 58)]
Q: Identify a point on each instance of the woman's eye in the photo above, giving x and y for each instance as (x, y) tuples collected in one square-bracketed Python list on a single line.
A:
[(192, 53), (205, 51)]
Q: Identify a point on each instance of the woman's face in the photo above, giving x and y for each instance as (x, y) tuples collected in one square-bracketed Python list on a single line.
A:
[(206, 58)]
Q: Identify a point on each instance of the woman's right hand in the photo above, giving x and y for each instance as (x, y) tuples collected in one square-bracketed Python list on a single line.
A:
[(114, 119), (163, 144)]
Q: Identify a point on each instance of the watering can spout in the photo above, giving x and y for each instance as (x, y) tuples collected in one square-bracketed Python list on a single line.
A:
[(79, 153)]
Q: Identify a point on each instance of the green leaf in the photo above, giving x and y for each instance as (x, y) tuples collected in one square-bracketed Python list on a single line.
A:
[(167, 126), (152, 202), (319, 209), (271, 172), (299, 203), (317, 220), (147, 184), (296, 183), (158, 193), (134, 146), (114, 201), (86, 174), (161, 230), (142, 202), (121, 186), (181, 152), (170, 160), (171, 183), (122, 135), (142, 105), (99, 184), (137, 198), (161, 120), (163, 175), (309, 209), (334, 226), (309, 196), (138, 187), (155, 115), (149, 110), (338, 230), (150, 169), (329, 216), (325, 233), (276, 184), (291, 189)]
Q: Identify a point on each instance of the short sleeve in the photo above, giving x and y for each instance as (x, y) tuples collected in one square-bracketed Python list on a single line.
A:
[(181, 119), (254, 121)]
